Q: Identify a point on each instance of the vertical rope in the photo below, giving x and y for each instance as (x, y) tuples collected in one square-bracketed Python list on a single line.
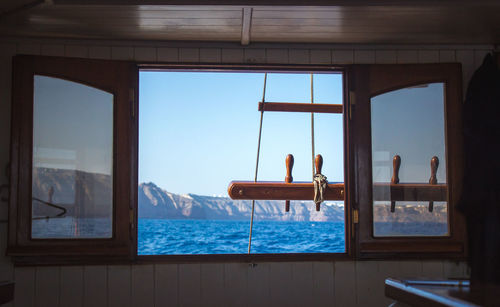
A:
[(312, 126), (257, 163)]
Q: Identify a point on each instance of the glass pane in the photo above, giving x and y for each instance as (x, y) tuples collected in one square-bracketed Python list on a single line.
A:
[(192, 143), (72, 185), (409, 123)]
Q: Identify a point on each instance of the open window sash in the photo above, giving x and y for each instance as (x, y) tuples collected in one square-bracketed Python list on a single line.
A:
[(399, 197), (73, 154)]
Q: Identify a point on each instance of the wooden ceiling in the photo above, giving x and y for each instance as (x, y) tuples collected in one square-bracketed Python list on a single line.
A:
[(355, 21)]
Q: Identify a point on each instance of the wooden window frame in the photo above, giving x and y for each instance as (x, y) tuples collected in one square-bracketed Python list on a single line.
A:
[(372, 80), (115, 77), (359, 86)]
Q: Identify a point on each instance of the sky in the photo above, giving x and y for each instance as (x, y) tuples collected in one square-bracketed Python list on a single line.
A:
[(72, 126), (198, 131)]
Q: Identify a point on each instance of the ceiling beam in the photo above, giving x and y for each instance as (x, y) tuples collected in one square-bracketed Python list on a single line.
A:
[(420, 3), (246, 24)]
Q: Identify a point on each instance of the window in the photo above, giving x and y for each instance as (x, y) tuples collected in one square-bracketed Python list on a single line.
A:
[(408, 159), (75, 167), (72, 144), (198, 131)]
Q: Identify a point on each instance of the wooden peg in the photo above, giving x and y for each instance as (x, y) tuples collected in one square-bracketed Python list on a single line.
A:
[(288, 177), (433, 179), (318, 163), (396, 163)]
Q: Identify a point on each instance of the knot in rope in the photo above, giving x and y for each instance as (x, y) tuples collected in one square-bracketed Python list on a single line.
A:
[(320, 184)]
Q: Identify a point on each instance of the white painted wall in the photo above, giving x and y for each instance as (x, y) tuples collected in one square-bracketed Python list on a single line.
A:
[(338, 283)]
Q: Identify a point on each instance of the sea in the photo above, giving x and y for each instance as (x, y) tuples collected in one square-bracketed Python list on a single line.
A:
[(177, 237)]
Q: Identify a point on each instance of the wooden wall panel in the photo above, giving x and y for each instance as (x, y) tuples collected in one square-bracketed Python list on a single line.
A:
[(122, 53), (235, 282), (24, 295), (280, 281), (346, 291), (277, 56), (189, 284), (95, 286), (47, 286), (212, 284), (143, 286), (71, 293), (52, 50), (76, 51), (407, 56), (259, 289), (323, 284), (210, 55), (364, 57), (166, 280), (119, 286), (168, 54), (189, 55), (386, 56), (146, 54), (342, 56), (299, 56)]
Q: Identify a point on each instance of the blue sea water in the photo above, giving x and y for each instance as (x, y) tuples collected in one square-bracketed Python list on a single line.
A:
[(168, 237)]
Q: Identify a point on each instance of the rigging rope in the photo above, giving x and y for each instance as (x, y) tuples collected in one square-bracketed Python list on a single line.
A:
[(257, 163), (312, 126)]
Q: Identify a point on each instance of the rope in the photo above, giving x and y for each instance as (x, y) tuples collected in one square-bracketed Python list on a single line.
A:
[(320, 184), (257, 163), (312, 126)]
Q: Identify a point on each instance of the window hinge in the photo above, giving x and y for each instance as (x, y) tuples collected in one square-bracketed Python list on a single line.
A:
[(352, 101), (131, 97), (355, 216)]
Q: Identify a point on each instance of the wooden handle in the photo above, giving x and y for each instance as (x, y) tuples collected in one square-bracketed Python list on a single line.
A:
[(318, 163), (289, 166), (288, 177), (396, 163), (433, 179), (434, 167)]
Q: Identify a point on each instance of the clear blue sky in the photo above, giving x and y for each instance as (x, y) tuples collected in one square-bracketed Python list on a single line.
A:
[(199, 130)]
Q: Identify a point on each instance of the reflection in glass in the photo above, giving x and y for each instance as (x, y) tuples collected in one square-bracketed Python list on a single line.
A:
[(72, 183), (409, 123)]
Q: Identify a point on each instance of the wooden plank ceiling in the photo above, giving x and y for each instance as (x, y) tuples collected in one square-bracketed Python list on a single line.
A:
[(389, 23)]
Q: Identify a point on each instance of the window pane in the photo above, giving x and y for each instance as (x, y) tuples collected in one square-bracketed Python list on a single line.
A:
[(72, 182), (198, 131), (409, 123)]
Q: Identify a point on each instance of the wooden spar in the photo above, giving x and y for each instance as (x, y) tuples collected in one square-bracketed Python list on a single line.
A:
[(409, 192), (300, 107), (282, 190), (335, 191)]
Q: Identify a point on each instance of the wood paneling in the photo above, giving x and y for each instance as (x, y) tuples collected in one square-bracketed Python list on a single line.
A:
[(386, 23), (47, 286), (143, 286), (119, 286), (166, 278), (95, 286), (71, 293)]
